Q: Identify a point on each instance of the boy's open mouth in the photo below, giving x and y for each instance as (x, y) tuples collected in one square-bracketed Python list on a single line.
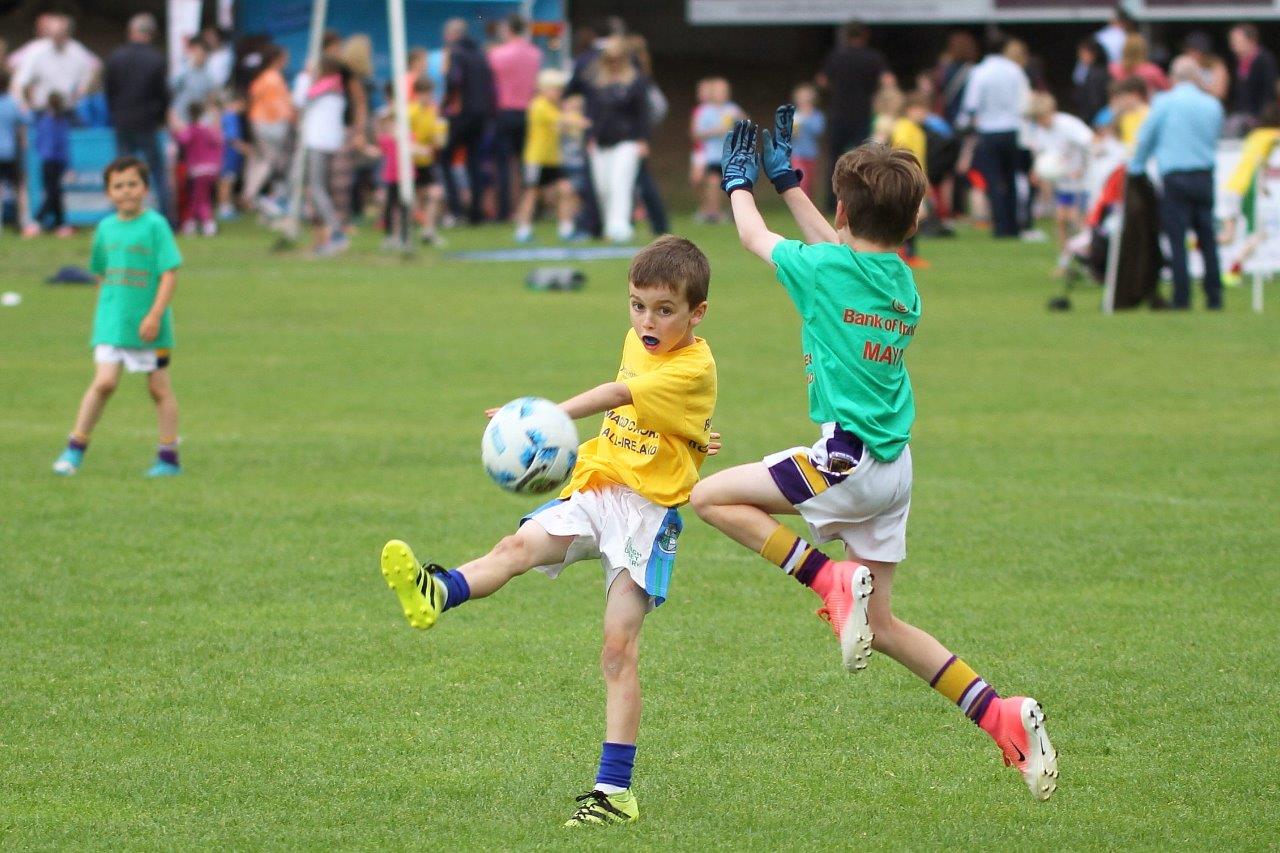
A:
[(649, 341)]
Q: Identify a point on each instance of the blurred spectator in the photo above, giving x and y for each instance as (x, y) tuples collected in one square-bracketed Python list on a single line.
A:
[(234, 149), (1129, 106), (355, 170), (193, 84), (954, 67), (1060, 143), (1113, 35), (201, 141), (395, 216), (469, 107), (1181, 133), (430, 133), (1255, 84), (415, 69), (1092, 79), (53, 146), (10, 139), (714, 120), (1214, 76), (618, 108), (1134, 63), (851, 74), (515, 62), (138, 98), (322, 98), (57, 63), (994, 101), (542, 157), (221, 56), (271, 115), (807, 128), (646, 183)]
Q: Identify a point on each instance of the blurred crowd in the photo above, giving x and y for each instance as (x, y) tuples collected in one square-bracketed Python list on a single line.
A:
[(501, 132)]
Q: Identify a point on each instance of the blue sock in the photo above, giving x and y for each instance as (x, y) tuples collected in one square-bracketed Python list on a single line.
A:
[(616, 761), (456, 588)]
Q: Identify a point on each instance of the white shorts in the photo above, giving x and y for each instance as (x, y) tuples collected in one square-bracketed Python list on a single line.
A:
[(865, 505), (135, 360), (625, 531)]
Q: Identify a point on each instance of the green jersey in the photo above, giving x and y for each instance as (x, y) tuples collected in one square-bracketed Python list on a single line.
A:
[(859, 313), (130, 255)]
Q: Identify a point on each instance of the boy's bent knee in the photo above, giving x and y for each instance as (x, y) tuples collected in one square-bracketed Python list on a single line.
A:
[(702, 499), (104, 387)]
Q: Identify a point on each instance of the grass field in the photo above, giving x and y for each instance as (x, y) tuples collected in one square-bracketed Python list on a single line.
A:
[(215, 661)]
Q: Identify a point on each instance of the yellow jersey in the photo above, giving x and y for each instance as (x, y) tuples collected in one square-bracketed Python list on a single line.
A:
[(542, 133), (427, 130), (1128, 125), (656, 444), (909, 135)]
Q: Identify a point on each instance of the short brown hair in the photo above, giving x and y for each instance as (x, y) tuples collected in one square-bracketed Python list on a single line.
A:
[(674, 263), (124, 164), (882, 189)]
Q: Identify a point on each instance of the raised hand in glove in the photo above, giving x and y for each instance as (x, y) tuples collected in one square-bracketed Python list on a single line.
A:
[(775, 150), (739, 163)]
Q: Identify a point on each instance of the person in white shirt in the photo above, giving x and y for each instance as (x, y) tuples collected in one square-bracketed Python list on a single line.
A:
[(1060, 144), (56, 63), (995, 100), (321, 98)]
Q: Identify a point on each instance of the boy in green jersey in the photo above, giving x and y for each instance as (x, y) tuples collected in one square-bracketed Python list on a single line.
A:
[(859, 309), (135, 258)]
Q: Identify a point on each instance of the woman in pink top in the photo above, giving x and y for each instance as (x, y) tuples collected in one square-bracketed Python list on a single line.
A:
[(202, 155), (515, 62), (1134, 63)]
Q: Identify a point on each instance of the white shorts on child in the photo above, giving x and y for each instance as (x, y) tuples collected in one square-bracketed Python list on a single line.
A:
[(134, 360), (865, 506), (626, 531)]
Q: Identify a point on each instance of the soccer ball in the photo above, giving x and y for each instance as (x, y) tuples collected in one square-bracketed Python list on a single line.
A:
[(530, 445), (1050, 167)]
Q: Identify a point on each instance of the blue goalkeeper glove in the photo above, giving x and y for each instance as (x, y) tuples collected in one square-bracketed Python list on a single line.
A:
[(775, 149), (739, 164)]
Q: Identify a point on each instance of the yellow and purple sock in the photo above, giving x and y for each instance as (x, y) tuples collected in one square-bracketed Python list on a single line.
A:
[(167, 451), (797, 558), (959, 683)]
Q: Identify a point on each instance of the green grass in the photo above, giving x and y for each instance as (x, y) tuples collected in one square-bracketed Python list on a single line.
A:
[(214, 661)]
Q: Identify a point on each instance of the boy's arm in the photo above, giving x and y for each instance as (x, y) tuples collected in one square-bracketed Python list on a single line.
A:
[(608, 395), (150, 325), (755, 236), (813, 225)]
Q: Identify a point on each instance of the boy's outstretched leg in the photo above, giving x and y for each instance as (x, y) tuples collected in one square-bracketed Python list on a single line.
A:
[(1015, 723), (610, 801), (741, 503), (426, 590), (106, 377)]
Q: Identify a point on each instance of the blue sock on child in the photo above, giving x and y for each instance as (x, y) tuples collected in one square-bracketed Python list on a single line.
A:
[(456, 588), (616, 761)]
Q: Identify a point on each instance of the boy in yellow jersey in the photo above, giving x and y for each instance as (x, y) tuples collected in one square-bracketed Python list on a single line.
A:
[(1129, 104), (428, 132), (620, 505), (543, 158), (859, 311)]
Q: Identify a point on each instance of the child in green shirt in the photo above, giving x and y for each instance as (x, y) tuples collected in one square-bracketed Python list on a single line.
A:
[(859, 309), (135, 258)]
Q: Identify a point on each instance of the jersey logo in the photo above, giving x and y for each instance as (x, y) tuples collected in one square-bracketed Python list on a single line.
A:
[(899, 307)]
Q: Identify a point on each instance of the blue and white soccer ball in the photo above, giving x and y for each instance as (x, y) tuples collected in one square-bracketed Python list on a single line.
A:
[(530, 445)]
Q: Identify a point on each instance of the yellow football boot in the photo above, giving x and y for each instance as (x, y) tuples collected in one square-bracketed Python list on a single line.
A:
[(599, 809), (420, 595)]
